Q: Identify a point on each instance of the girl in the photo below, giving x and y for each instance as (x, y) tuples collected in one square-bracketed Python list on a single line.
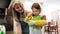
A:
[(34, 20)]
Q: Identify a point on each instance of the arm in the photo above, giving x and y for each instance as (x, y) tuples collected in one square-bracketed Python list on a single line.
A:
[(41, 22), (28, 17)]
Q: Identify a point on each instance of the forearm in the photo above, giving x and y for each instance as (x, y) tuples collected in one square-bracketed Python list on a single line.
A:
[(40, 23), (27, 19)]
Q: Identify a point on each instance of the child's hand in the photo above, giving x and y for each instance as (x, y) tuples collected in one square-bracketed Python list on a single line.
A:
[(31, 22), (29, 14)]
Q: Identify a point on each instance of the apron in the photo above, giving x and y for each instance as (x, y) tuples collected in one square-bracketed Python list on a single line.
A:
[(35, 29)]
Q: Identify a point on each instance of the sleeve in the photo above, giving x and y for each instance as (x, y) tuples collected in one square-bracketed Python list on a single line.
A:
[(40, 23), (29, 21), (27, 18)]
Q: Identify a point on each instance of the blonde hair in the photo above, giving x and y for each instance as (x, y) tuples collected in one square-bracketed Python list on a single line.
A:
[(17, 3)]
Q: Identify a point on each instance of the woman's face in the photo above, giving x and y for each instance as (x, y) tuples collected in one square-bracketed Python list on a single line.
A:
[(36, 11), (19, 8)]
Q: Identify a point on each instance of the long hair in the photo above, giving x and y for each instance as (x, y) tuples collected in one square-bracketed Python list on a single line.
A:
[(17, 14)]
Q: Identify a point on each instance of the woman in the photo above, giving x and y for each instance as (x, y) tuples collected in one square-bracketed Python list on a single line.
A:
[(20, 14)]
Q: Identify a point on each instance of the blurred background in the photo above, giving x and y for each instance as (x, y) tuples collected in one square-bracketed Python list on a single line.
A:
[(50, 8)]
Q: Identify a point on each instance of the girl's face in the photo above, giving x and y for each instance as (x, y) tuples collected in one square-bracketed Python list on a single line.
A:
[(35, 12), (18, 8)]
